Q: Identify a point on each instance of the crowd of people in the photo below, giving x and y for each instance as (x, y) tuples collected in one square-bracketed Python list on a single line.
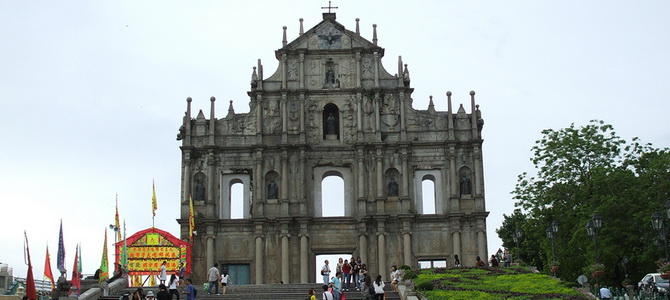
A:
[(353, 274)]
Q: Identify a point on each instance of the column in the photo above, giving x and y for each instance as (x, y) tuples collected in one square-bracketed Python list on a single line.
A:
[(210, 252), (259, 115), (303, 176), (361, 173), (212, 122), (381, 251), (211, 186), (453, 173), (283, 112), (187, 176), (407, 248), (259, 260), (401, 98), (380, 173), (358, 69), (304, 259), (258, 188), (480, 205), (481, 245), (302, 70), (376, 67), (283, 70), (363, 244), (377, 105), (456, 243), (284, 258), (283, 192)]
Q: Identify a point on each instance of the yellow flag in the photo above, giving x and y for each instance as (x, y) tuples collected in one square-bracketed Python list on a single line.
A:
[(154, 203), (191, 219), (116, 221)]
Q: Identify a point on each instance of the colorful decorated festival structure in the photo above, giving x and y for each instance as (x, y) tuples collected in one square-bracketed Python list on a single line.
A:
[(146, 251)]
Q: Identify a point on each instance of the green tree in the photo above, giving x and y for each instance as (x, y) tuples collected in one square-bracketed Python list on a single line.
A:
[(581, 171)]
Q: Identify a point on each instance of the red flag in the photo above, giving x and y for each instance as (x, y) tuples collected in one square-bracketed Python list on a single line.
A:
[(31, 291), (47, 270), (75, 271)]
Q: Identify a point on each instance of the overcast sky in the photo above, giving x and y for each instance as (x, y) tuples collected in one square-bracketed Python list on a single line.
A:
[(93, 92)]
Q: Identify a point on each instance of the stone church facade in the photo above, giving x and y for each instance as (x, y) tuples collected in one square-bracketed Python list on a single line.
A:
[(332, 109)]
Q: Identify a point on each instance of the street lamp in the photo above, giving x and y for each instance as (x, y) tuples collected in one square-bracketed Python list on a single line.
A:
[(592, 228), (551, 234), (516, 236), (657, 224)]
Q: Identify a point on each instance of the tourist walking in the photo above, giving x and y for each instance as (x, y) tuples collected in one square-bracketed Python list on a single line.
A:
[(336, 284), (225, 280), (213, 278), (190, 290), (172, 285)]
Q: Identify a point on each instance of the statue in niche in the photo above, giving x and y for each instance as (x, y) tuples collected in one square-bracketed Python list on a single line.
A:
[(466, 186), (331, 124), (392, 188), (330, 77), (273, 190), (199, 190)]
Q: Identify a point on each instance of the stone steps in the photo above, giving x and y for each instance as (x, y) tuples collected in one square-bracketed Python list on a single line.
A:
[(294, 291)]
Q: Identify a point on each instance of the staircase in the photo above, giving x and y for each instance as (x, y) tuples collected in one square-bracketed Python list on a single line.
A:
[(294, 291)]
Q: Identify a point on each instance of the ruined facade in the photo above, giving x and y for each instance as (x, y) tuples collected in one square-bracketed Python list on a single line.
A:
[(332, 109)]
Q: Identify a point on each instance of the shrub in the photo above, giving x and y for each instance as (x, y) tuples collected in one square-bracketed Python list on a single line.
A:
[(404, 267), (409, 275), (424, 286)]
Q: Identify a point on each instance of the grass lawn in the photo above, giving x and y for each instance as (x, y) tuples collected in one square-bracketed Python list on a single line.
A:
[(490, 283)]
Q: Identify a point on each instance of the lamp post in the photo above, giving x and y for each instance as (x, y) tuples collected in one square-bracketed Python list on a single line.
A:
[(551, 234), (592, 228), (657, 224), (516, 236)]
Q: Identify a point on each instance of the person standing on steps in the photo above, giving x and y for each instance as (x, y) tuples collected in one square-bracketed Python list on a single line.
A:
[(325, 272), (163, 277), (225, 280), (213, 278)]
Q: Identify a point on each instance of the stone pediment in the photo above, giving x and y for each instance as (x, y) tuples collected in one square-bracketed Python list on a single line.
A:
[(328, 35)]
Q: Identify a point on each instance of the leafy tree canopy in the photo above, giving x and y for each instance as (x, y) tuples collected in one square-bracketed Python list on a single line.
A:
[(580, 172)]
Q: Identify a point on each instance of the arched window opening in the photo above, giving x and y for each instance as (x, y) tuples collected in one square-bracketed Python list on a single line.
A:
[(331, 122), (237, 201), (332, 196), (428, 193)]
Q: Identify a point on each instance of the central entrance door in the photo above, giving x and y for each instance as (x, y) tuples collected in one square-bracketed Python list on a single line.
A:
[(239, 274)]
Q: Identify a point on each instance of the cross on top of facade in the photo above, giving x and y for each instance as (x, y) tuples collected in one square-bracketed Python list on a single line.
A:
[(329, 7)]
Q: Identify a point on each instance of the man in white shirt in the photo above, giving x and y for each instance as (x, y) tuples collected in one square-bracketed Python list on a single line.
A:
[(326, 294), (325, 272), (213, 278)]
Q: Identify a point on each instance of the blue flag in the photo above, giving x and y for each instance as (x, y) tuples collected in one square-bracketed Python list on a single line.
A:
[(61, 250)]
